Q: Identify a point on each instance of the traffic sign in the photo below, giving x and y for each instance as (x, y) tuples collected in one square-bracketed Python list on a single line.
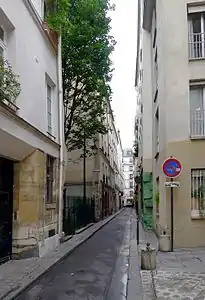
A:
[(172, 167), (172, 184)]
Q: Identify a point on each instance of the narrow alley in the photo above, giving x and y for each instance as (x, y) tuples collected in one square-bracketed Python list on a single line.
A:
[(98, 269)]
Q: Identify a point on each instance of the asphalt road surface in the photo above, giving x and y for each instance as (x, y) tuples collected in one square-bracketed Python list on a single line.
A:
[(96, 270)]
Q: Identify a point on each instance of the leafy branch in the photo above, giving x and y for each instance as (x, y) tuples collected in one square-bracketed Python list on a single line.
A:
[(87, 69), (9, 85)]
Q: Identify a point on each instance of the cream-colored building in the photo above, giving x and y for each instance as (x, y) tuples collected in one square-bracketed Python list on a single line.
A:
[(31, 133), (173, 77), (143, 123), (128, 171), (104, 177)]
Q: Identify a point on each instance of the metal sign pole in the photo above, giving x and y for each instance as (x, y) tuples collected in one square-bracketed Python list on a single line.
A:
[(138, 231), (172, 217), (172, 168)]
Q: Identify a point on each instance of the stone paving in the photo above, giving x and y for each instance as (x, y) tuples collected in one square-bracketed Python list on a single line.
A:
[(16, 275), (179, 275)]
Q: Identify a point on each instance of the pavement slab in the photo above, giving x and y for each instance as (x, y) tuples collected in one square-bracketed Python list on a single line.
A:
[(179, 275)]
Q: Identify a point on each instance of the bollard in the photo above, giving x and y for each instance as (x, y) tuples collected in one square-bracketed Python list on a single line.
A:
[(148, 258), (164, 243)]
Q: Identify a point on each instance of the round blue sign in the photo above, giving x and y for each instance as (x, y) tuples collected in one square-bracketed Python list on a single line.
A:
[(172, 167)]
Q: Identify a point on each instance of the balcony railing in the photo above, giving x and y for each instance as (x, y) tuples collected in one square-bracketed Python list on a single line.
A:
[(197, 124), (197, 45)]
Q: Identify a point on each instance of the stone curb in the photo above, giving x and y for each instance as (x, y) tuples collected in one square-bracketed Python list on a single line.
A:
[(17, 290)]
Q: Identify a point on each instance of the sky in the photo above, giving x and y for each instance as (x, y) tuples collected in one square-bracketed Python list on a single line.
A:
[(124, 30)]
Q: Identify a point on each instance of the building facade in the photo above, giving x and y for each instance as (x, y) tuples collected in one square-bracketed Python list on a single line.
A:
[(103, 172), (31, 176), (128, 170), (173, 76), (143, 122)]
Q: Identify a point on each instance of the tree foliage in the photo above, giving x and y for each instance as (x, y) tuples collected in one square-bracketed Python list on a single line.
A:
[(86, 47), (9, 85)]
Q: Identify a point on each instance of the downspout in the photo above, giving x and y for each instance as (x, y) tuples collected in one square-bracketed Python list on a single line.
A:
[(61, 138)]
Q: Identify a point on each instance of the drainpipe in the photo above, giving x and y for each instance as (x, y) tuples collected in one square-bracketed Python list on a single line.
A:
[(61, 139)]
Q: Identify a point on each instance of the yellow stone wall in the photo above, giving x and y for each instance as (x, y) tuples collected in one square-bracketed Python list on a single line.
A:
[(32, 216)]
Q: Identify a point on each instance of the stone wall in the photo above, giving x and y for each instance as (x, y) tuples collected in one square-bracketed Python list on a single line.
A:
[(32, 216)]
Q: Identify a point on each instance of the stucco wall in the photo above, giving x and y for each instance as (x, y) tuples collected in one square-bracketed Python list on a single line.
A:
[(147, 96), (31, 57)]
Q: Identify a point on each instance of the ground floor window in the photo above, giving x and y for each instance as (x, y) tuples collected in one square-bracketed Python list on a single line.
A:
[(49, 178), (198, 192)]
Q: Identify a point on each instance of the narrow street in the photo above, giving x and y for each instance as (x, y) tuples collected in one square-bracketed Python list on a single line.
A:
[(90, 272)]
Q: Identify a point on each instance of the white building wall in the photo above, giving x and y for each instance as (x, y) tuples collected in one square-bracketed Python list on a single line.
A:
[(147, 97), (34, 60), (128, 169)]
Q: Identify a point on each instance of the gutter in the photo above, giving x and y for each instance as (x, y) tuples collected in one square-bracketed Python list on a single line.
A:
[(61, 138)]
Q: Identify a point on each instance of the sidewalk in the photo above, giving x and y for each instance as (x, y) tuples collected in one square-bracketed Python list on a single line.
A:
[(179, 275), (134, 287), (16, 275)]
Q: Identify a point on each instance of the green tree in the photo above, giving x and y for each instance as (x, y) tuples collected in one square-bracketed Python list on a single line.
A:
[(86, 47)]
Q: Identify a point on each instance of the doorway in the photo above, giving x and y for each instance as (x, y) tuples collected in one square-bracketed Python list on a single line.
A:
[(6, 208)]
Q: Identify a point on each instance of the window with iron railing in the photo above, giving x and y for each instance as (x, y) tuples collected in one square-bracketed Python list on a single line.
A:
[(196, 35), (197, 111), (198, 192)]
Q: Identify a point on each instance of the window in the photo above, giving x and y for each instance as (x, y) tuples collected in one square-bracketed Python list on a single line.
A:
[(141, 55), (197, 102), (130, 168), (1, 51), (49, 178), (131, 193), (49, 108), (131, 184), (156, 70), (157, 130), (48, 7), (196, 35), (154, 39), (131, 159), (2, 42), (198, 192), (1, 34), (131, 176)]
